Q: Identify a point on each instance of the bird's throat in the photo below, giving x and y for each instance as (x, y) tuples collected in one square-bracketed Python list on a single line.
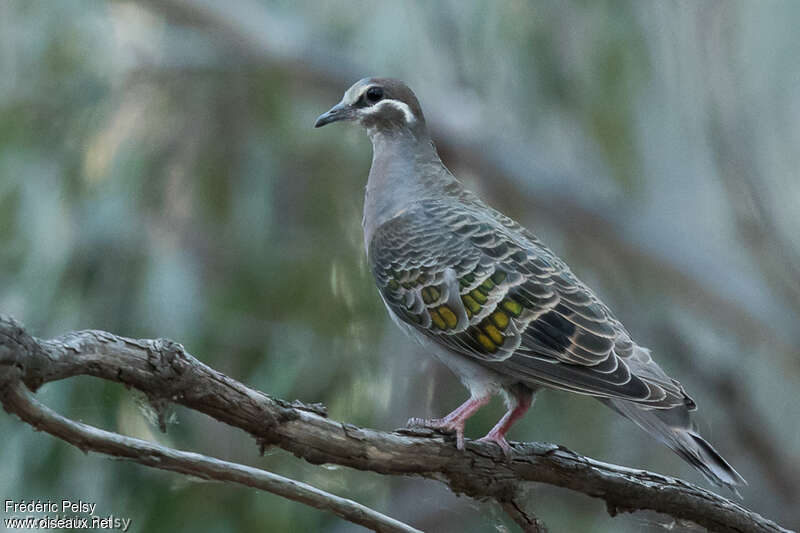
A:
[(405, 168)]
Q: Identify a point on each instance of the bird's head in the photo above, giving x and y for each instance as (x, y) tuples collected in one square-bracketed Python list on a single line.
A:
[(382, 105)]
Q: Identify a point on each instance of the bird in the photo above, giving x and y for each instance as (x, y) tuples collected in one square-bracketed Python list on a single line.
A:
[(491, 301)]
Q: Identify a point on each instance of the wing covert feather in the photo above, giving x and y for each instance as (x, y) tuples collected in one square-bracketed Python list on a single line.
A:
[(484, 287)]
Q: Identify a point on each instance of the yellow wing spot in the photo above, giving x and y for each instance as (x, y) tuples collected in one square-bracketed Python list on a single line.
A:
[(487, 284), (478, 295), (512, 306), (486, 342), (494, 333), (471, 304), (500, 319), (437, 319), (448, 316), (430, 294)]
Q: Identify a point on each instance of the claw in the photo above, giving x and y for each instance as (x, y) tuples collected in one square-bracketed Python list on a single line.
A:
[(415, 422), (498, 439), (443, 425)]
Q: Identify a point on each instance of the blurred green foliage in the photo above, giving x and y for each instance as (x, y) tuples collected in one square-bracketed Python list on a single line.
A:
[(158, 179)]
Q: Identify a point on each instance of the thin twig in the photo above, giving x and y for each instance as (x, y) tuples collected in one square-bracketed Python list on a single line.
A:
[(166, 372)]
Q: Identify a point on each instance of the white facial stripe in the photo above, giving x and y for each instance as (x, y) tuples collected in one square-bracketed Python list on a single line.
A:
[(408, 115)]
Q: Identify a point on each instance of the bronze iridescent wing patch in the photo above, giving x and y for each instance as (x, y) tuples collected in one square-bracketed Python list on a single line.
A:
[(481, 288)]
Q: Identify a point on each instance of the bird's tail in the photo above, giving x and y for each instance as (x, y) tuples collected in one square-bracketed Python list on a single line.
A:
[(674, 428)]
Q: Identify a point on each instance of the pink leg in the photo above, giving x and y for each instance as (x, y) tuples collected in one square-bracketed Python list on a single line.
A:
[(519, 402), (455, 421)]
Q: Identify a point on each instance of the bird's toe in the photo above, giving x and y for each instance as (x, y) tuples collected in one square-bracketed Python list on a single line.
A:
[(442, 425), (500, 440)]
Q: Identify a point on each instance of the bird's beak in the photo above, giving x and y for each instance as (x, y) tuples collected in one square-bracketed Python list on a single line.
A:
[(340, 111)]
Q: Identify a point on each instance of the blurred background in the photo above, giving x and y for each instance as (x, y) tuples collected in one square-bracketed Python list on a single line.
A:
[(160, 177)]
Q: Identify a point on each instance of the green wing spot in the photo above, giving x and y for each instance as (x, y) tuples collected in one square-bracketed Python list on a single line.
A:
[(478, 295), (393, 285), (512, 306), (487, 285), (469, 313), (408, 284), (466, 279), (448, 316), (500, 319), (486, 342), (494, 333), (471, 304), (438, 321), (430, 295), (417, 319), (499, 276)]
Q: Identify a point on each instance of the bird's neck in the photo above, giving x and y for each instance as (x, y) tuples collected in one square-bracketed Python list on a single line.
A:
[(405, 169)]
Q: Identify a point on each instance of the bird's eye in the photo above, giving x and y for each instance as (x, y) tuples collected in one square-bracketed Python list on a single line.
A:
[(374, 94)]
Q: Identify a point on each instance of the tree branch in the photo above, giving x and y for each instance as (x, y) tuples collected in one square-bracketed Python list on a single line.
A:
[(17, 399), (164, 371)]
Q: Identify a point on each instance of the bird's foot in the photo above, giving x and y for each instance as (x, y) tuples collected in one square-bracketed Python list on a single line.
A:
[(500, 439), (455, 421), (520, 400), (445, 425)]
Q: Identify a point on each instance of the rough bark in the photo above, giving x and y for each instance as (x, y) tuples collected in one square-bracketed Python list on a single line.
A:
[(164, 371), (18, 399)]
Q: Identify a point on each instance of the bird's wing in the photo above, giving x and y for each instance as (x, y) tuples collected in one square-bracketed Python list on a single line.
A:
[(483, 287)]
